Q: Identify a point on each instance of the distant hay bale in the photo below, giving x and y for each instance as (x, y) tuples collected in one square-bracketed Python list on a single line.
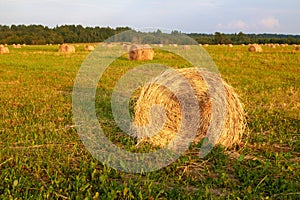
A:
[(65, 48), (230, 45), (160, 45), (126, 47), (24, 45), (255, 48), (156, 94), (297, 48), (206, 45), (141, 52), (108, 45), (4, 50), (243, 45), (18, 46), (186, 47), (273, 46), (89, 48), (1, 45)]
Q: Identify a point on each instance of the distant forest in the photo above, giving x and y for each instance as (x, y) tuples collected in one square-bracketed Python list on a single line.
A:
[(39, 34)]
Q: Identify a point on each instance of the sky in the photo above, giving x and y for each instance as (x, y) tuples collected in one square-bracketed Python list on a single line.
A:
[(200, 16)]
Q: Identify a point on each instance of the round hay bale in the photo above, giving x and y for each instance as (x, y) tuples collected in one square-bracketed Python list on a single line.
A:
[(297, 48), (89, 48), (186, 47), (18, 46), (243, 45), (4, 50), (65, 48), (1, 45), (155, 94), (206, 45), (230, 45), (272, 46), (141, 52), (126, 47), (255, 48)]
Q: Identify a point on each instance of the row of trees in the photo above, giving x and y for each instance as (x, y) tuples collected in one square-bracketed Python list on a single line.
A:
[(242, 38), (39, 34)]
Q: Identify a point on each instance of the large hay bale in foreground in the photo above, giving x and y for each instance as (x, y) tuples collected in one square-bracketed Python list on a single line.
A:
[(65, 48), (141, 52), (255, 48), (4, 50), (156, 94)]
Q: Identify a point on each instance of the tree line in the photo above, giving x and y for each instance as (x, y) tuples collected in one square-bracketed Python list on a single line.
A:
[(39, 34), (242, 38)]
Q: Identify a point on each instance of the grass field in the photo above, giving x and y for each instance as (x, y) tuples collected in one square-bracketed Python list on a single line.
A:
[(42, 157)]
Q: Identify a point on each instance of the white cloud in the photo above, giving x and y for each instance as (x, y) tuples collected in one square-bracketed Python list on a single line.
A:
[(233, 26), (269, 22)]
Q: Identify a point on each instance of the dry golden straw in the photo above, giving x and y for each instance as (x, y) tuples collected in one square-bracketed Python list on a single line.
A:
[(141, 52), (255, 48), (155, 94), (297, 48)]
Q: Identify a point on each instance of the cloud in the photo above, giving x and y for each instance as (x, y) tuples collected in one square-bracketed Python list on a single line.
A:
[(235, 25), (270, 23)]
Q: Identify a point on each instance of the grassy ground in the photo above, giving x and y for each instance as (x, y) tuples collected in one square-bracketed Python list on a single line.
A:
[(41, 155)]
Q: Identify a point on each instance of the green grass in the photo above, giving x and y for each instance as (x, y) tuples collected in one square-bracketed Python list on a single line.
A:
[(42, 157)]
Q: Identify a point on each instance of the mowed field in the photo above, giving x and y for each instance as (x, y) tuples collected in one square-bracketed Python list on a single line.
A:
[(42, 157)]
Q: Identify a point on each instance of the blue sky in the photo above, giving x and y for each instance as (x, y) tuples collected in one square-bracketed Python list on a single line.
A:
[(204, 16)]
